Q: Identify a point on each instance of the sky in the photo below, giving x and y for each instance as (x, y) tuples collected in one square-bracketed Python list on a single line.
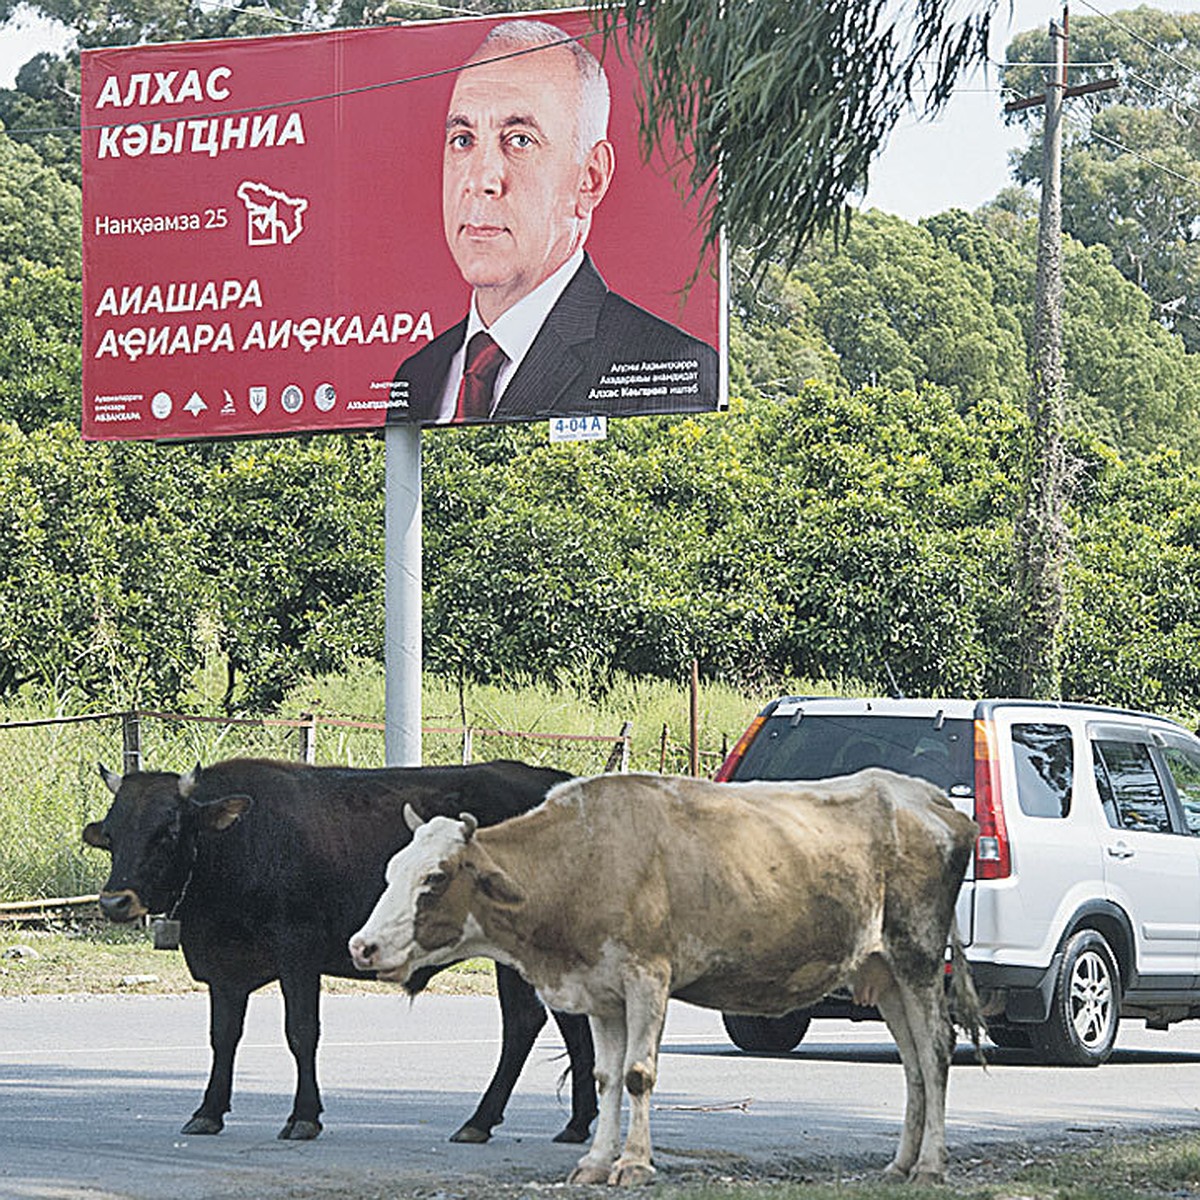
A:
[(958, 161)]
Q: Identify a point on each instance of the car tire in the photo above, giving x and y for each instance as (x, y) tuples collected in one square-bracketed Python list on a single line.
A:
[(767, 1034), (1086, 1006), (1009, 1037)]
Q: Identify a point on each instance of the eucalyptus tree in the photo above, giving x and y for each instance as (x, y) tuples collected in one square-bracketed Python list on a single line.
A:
[(790, 100)]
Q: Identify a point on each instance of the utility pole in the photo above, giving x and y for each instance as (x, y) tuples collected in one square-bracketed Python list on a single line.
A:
[(1041, 537)]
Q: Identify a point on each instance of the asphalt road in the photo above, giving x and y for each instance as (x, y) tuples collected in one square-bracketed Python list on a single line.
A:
[(93, 1092)]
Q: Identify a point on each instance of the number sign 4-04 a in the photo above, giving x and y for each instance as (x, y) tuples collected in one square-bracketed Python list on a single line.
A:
[(579, 429)]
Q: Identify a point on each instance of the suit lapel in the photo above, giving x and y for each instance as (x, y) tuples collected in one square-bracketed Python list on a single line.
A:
[(560, 351)]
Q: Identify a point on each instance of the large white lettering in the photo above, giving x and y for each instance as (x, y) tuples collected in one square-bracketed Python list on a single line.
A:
[(281, 333), (193, 86), (193, 296), (201, 135)]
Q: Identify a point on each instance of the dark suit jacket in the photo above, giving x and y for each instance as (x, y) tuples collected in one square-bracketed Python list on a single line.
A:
[(596, 353)]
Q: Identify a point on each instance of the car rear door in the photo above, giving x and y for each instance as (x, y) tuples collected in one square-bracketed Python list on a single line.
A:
[(1151, 866)]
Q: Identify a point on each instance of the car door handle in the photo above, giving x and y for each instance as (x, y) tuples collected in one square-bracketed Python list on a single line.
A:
[(1120, 850)]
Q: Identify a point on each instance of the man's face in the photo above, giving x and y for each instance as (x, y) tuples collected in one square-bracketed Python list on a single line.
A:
[(516, 199)]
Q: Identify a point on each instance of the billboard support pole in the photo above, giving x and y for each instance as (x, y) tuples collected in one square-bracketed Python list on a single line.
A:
[(402, 596)]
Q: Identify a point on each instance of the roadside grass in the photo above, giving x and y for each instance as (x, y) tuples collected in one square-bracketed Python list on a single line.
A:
[(110, 959), (1137, 1167)]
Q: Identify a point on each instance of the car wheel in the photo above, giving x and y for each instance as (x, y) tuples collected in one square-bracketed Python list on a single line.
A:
[(774, 1034), (1086, 1006), (1009, 1037)]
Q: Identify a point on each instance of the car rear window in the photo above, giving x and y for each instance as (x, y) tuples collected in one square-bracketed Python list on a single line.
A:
[(799, 746), (1044, 757)]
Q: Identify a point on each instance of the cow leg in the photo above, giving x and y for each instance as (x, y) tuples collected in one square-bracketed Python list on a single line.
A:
[(933, 1034), (226, 1019), (645, 1013), (302, 1025), (522, 1016), (577, 1034), (608, 1036), (892, 1009)]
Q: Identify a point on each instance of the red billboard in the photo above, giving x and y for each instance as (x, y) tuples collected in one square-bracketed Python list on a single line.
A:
[(437, 223)]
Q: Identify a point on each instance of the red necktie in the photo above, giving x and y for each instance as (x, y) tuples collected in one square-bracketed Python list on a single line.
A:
[(484, 360)]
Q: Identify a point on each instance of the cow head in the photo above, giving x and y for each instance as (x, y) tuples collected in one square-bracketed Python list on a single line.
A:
[(424, 916), (152, 831)]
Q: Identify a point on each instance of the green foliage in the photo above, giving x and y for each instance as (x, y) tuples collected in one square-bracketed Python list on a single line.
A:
[(294, 539), (902, 308), (950, 303), (97, 593), (46, 97), (39, 211), (39, 346)]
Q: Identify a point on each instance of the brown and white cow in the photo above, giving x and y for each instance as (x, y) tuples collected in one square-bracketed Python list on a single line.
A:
[(621, 891)]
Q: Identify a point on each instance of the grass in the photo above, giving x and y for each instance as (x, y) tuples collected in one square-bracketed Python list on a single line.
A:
[(115, 959), (49, 787)]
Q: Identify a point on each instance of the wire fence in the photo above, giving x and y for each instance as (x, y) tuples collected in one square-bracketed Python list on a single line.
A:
[(50, 787)]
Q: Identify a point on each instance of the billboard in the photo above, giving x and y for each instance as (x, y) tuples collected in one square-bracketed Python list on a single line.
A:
[(306, 233)]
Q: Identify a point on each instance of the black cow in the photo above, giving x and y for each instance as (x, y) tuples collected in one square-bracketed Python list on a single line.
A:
[(271, 866)]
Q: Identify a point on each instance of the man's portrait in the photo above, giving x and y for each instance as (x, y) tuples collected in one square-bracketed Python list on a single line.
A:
[(526, 165)]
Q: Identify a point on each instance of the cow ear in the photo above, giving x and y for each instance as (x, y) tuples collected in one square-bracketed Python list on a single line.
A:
[(188, 782), (412, 819), (469, 825), (94, 835), (112, 780), (499, 888), (219, 815)]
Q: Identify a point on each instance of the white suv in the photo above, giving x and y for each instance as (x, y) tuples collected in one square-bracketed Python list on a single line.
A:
[(1082, 905)]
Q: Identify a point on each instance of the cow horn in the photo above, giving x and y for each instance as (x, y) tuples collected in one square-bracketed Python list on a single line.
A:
[(187, 783), (411, 818), (111, 780), (470, 824)]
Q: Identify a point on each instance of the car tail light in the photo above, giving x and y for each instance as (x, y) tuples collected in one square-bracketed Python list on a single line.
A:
[(727, 768), (993, 859)]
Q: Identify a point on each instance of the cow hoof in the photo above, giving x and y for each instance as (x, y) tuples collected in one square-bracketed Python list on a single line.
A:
[(299, 1131), (471, 1135), (631, 1174), (203, 1125), (587, 1172), (927, 1178), (572, 1137)]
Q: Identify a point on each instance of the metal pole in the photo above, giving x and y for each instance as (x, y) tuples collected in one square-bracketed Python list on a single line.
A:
[(694, 720), (402, 596)]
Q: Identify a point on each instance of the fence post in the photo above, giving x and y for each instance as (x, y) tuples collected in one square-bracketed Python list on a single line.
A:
[(694, 720), (618, 760), (131, 743), (308, 738), (468, 745), (662, 749)]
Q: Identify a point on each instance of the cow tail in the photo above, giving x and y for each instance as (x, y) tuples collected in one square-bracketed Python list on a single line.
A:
[(965, 1010)]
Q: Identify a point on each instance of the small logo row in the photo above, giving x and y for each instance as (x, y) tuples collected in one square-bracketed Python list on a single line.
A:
[(291, 398)]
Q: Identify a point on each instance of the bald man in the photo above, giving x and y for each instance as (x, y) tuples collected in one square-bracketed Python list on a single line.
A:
[(526, 162)]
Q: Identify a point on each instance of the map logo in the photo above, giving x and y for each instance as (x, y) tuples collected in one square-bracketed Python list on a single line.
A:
[(271, 216)]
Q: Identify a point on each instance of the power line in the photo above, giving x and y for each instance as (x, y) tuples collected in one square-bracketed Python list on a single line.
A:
[(1171, 96), (262, 8), (1137, 37), (1193, 180)]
